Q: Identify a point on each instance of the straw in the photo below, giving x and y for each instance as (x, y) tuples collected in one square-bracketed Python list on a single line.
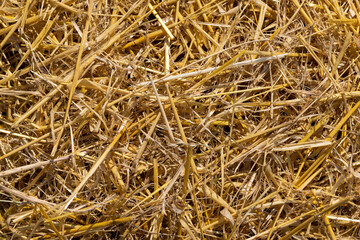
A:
[(173, 119)]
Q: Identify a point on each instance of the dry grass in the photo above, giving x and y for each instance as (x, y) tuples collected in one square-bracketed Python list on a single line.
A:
[(174, 119)]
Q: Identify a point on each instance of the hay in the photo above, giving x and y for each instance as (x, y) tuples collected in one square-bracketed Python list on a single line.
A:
[(175, 119)]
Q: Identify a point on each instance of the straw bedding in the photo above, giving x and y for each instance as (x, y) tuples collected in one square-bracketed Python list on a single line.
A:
[(179, 119)]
